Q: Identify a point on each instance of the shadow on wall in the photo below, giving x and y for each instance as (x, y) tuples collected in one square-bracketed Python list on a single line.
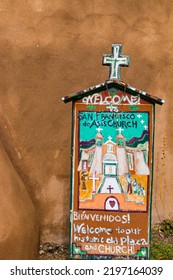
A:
[(19, 228)]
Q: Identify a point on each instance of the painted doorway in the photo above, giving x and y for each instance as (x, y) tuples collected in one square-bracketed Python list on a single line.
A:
[(111, 203)]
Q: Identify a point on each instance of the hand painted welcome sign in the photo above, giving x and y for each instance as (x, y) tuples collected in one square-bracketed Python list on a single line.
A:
[(111, 169)]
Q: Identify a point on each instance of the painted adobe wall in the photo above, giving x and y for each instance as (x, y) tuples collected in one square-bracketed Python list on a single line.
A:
[(52, 48)]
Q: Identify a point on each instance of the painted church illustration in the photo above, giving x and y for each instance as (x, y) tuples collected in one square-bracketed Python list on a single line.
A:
[(113, 168)]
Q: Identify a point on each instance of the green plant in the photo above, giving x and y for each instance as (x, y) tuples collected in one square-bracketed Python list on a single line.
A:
[(162, 241), (167, 227), (161, 251)]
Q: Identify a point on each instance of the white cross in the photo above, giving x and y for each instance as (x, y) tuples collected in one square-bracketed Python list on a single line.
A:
[(139, 116), (112, 108), (120, 129), (109, 138), (99, 129), (115, 60), (142, 121), (145, 127), (94, 179)]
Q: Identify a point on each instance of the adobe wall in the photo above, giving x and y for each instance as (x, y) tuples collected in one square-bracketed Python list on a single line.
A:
[(49, 49), (19, 226)]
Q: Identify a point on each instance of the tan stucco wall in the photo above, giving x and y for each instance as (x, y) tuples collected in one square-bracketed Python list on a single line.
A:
[(19, 226), (49, 49)]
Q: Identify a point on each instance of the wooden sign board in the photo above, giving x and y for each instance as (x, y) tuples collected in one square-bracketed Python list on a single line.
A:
[(111, 170)]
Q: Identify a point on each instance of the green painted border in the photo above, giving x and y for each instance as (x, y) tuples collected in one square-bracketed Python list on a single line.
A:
[(110, 174), (70, 245), (151, 183), (104, 182)]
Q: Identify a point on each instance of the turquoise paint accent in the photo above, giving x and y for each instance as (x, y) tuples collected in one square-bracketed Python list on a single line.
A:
[(113, 91), (99, 142), (111, 163), (103, 181), (130, 124)]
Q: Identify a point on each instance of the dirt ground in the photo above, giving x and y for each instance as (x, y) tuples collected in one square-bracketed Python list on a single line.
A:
[(50, 251)]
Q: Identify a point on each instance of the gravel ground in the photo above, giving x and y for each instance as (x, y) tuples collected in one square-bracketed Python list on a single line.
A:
[(51, 251)]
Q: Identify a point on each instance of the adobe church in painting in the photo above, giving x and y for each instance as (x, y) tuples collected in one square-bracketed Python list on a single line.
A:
[(112, 165), (114, 155)]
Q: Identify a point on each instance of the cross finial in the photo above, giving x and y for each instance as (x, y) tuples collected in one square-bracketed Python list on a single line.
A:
[(115, 60), (109, 138), (99, 129), (120, 130)]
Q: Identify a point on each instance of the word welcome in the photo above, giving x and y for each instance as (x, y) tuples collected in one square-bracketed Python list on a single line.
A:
[(86, 229), (97, 98)]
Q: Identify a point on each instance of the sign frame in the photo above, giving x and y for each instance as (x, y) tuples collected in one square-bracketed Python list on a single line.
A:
[(86, 104), (112, 160)]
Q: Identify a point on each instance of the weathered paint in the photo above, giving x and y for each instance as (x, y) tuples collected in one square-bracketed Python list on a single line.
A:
[(112, 168), (115, 60), (111, 178), (109, 84)]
